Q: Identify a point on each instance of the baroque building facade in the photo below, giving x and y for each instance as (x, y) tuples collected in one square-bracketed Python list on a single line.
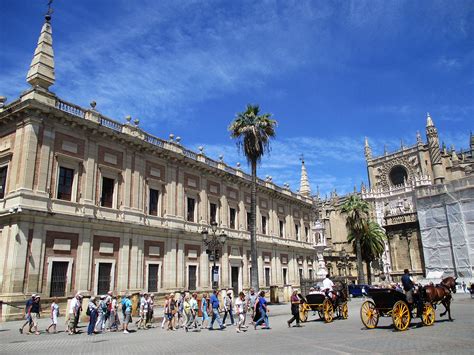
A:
[(90, 204)]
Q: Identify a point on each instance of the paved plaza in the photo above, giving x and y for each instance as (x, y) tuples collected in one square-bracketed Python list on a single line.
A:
[(341, 336)]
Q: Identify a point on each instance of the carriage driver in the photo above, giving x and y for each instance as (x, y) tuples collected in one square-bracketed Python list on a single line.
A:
[(328, 287), (408, 285)]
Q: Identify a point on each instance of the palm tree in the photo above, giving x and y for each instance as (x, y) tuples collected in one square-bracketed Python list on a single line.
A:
[(253, 132), (372, 244), (357, 212)]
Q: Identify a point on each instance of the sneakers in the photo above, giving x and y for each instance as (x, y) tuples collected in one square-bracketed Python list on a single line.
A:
[(289, 324), (126, 332), (237, 330), (20, 330)]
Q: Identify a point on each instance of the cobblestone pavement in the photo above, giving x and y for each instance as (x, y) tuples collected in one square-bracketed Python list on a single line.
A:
[(339, 337)]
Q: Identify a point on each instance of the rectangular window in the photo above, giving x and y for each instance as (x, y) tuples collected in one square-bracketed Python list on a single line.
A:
[(282, 229), (285, 276), (267, 277), (264, 225), (153, 203), (66, 177), (3, 180), (153, 270), (301, 274), (104, 277), (297, 231), (310, 274), (191, 208), (248, 221), (213, 212), (232, 216), (58, 278), (306, 233), (107, 193)]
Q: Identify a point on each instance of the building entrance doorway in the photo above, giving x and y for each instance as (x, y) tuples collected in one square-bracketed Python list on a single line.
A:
[(58, 278), (104, 278)]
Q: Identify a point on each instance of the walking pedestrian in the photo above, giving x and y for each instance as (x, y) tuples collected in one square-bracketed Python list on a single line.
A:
[(463, 286), (101, 312), (75, 308), (194, 310), (114, 320), (166, 313), (54, 314), (181, 317), (204, 310), (251, 299), (127, 310), (150, 316), (240, 310), (187, 313), (172, 312), (28, 304), (263, 310), (214, 302), (228, 307), (107, 317), (295, 309), (92, 313), (143, 310), (35, 314)]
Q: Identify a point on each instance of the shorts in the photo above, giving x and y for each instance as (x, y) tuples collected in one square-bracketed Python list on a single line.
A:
[(54, 320), (34, 319), (169, 316), (409, 295), (128, 318)]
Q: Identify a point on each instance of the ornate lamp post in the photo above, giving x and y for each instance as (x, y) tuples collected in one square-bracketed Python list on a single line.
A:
[(213, 243)]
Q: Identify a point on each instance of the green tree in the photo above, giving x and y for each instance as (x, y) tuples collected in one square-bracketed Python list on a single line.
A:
[(253, 132), (372, 244), (357, 211)]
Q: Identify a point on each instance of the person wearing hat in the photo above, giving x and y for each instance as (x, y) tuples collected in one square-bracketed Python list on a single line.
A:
[(228, 307), (35, 310), (92, 312), (28, 304)]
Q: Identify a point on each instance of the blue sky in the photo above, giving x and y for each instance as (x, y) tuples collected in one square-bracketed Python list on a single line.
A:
[(331, 72)]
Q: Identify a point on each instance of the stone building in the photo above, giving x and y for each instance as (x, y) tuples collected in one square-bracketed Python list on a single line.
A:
[(90, 204), (400, 183)]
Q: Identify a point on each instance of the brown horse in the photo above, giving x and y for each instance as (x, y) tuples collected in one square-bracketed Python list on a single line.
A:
[(441, 294)]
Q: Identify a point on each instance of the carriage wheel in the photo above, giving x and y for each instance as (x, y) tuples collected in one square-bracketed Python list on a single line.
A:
[(328, 311), (401, 315), (428, 316), (303, 313), (369, 314), (344, 311)]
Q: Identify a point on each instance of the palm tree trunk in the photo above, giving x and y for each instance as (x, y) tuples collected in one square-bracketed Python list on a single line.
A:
[(369, 273), (360, 266), (253, 228)]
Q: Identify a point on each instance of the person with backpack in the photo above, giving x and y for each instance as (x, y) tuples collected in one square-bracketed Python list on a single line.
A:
[(127, 312), (91, 311)]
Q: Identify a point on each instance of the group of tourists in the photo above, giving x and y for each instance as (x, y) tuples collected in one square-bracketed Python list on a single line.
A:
[(180, 310)]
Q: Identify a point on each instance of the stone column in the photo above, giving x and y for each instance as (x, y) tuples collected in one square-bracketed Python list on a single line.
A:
[(181, 266), (124, 261), (46, 160), (127, 179), (203, 203), (89, 178), (84, 259), (225, 279), (29, 147), (204, 281), (224, 215), (171, 190), (180, 194)]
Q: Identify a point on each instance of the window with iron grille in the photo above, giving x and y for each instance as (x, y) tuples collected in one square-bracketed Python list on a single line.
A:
[(267, 277), (232, 216), (191, 207), (153, 270), (192, 277), (297, 231), (153, 203), (66, 177), (58, 278), (107, 192), (3, 180), (249, 217), (104, 278)]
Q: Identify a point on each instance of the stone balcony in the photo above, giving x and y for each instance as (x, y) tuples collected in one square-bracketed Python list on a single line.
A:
[(401, 218)]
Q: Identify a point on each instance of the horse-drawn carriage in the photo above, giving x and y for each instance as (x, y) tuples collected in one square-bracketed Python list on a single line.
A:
[(326, 307), (386, 302)]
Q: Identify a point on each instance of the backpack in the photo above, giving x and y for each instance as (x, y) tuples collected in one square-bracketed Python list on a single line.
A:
[(88, 311), (124, 306)]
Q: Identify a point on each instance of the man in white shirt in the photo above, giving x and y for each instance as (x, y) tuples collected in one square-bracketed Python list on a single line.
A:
[(328, 286), (240, 311), (74, 312)]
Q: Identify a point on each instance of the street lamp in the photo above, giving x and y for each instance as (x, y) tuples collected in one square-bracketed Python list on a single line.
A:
[(213, 244)]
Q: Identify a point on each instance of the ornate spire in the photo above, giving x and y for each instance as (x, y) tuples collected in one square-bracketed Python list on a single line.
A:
[(41, 71), (305, 189), (429, 121), (419, 140), (454, 156), (367, 149)]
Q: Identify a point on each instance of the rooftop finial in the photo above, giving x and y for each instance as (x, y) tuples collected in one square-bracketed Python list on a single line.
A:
[(305, 189), (367, 149), (419, 140)]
